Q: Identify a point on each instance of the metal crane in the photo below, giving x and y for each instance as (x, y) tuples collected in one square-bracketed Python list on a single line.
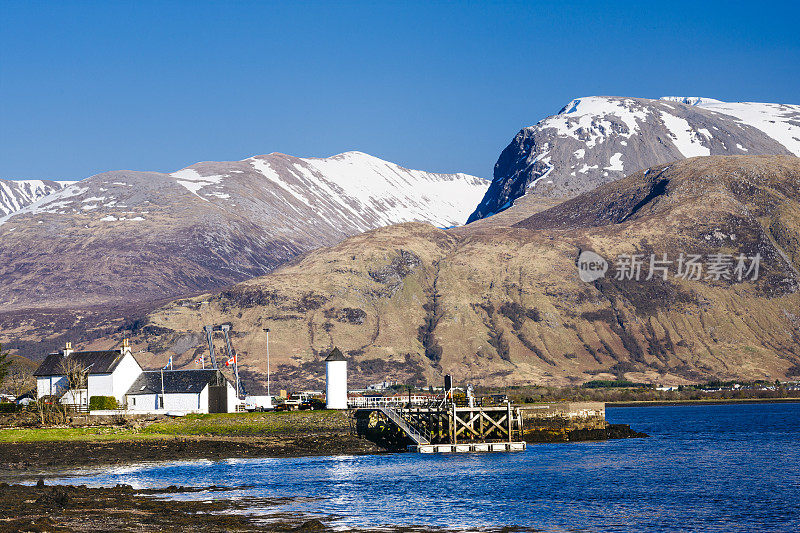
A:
[(225, 329)]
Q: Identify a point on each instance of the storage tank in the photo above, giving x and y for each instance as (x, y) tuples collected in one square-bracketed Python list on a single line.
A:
[(336, 380)]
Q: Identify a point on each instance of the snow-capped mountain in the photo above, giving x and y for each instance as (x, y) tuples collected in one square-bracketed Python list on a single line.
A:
[(598, 139), (350, 189), (16, 194), (125, 234)]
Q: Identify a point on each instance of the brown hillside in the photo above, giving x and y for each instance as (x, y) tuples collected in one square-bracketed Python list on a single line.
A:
[(505, 305)]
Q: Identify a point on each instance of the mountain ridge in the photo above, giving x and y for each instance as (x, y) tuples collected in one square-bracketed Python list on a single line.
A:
[(131, 235)]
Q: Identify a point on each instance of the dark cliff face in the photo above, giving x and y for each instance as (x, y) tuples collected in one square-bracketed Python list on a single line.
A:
[(512, 175), (596, 140)]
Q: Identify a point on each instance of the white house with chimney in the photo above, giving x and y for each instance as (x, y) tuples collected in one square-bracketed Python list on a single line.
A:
[(105, 373)]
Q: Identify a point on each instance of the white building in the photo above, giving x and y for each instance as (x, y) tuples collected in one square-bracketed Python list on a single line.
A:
[(182, 391), (383, 385), (336, 380), (105, 373)]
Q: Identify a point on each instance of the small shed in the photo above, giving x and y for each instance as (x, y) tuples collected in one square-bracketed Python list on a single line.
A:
[(183, 391)]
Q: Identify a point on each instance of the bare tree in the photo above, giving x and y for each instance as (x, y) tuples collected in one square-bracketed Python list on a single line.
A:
[(76, 376), (18, 382)]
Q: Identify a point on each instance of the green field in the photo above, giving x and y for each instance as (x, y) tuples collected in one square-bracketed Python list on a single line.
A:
[(216, 425)]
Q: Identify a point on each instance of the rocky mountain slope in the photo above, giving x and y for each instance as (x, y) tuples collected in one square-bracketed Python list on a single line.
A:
[(127, 236), (599, 139), (506, 305), (16, 194)]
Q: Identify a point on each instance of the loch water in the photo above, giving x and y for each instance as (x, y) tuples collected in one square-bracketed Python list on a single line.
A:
[(724, 468)]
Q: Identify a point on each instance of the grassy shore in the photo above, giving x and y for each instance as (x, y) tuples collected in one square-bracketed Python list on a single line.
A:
[(216, 436), (289, 423)]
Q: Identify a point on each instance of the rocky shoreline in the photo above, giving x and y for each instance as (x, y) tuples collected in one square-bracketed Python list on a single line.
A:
[(31, 458), (544, 434), (68, 508)]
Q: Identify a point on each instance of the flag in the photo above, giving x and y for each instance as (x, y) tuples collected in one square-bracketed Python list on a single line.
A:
[(231, 360), (201, 360), (169, 364)]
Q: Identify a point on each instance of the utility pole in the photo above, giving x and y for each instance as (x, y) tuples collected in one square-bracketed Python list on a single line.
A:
[(267, 331)]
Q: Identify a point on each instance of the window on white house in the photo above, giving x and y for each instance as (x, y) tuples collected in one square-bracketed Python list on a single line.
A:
[(161, 402), (133, 401)]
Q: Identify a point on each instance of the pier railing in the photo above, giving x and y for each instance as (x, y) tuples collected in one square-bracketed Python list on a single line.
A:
[(365, 402)]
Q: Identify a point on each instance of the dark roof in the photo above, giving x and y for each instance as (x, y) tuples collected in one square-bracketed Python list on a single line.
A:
[(335, 355), (99, 362), (175, 381)]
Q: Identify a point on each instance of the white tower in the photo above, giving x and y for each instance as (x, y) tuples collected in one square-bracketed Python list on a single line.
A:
[(336, 380)]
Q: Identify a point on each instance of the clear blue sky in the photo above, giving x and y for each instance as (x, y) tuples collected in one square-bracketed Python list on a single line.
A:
[(94, 86)]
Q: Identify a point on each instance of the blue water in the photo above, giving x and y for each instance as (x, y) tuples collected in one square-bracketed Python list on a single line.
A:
[(714, 468)]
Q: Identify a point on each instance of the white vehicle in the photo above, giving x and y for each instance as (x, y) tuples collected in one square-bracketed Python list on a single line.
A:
[(258, 403)]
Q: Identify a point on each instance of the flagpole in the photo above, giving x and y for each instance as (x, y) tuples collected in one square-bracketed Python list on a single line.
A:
[(236, 372), (162, 387)]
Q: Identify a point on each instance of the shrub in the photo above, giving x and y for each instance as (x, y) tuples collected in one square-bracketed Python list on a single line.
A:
[(8, 407), (97, 403)]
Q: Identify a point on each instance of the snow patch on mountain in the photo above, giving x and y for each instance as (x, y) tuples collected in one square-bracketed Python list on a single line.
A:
[(685, 137), (372, 192), (587, 119), (615, 162), (17, 194), (194, 182), (779, 121)]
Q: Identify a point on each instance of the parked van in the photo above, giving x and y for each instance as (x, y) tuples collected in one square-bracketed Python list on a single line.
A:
[(258, 403)]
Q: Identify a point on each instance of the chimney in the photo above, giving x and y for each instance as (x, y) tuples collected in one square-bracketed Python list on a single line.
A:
[(126, 345), (67, 349)]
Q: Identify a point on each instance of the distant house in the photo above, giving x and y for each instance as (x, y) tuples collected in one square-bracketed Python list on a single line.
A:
[(185, 391), (383, 385), (104, 373)]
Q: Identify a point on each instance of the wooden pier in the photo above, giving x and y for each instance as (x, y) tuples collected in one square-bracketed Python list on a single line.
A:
[(448, 428)]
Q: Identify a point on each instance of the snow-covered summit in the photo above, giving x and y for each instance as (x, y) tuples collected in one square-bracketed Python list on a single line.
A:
[(347, 189), (597, 139)]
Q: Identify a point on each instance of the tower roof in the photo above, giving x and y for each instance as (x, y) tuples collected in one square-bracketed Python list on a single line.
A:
[(335, 355)]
